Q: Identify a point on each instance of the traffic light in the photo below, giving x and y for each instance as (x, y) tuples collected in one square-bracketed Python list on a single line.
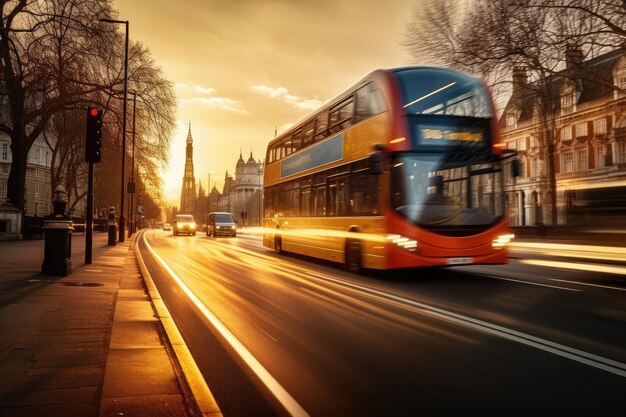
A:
[(94, 132)]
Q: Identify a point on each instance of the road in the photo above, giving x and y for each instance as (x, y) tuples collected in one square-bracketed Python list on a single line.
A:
[(285, 335)]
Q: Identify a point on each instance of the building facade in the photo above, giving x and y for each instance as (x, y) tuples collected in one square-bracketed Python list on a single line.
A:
[(587, 134), (242, 193), (37, 195)]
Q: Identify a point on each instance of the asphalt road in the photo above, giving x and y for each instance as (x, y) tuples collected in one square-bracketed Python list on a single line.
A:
[(285, 335)]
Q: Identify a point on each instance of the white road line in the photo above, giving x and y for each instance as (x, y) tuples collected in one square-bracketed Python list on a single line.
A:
[(589, 284), (580, 356), (285, 399), (531, 283)]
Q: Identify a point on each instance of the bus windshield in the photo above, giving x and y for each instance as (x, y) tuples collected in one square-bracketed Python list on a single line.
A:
[(432, 91), (447, 189)]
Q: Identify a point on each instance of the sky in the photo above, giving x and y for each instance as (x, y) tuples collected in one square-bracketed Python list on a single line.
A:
[(243, 68)]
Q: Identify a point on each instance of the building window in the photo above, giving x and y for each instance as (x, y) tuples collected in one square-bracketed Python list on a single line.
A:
[(600, 156), (534, 142), (512, 145), (5, 151), (582, 162), (581, 129), (622, 152), (510, 120), (5, 169), (567, 103), (521, 144), (600, 126), (566, 133), (568, 161)]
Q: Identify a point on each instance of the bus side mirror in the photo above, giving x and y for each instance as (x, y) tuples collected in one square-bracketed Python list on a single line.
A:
[(376, 160), (515, 168)]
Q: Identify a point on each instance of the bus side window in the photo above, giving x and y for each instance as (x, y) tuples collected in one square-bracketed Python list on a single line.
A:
[(337, 196), (305, 196), (307, 130), (341, 116), (363, 194), (287, 144), (321, 126), (369, 102), (319, 195), (296, 140)]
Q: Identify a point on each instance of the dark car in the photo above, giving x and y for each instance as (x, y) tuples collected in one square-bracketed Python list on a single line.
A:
[(184, 223), (221, 224)]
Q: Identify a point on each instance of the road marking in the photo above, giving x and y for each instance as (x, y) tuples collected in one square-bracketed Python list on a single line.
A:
[(530, 283), (199, 389), (580, 356), (589, 284), (618, 270), (285, 399)]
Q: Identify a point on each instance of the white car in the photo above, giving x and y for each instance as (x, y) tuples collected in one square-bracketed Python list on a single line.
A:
[(184, 223)]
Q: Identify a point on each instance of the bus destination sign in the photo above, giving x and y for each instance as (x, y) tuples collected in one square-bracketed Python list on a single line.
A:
[(449, 135)]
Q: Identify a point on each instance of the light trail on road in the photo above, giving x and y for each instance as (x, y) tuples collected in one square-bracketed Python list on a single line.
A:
[(327, 336)]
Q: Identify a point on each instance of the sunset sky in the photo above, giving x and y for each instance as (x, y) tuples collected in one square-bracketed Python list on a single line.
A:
[(241, 68)]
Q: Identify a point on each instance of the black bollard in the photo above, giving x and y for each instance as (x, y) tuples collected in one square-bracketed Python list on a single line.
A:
[(112, 226), (58, 228)]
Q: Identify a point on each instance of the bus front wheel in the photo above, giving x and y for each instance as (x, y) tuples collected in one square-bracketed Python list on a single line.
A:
[(353, 256)]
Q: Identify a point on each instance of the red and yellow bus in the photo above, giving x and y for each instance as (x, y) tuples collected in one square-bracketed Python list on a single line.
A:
[(402, 170)]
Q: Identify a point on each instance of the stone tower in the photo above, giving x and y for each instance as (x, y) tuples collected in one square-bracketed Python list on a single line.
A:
[(188, 192)]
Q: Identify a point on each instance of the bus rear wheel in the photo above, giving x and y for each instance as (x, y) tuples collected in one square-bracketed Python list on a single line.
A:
[(353, 256)]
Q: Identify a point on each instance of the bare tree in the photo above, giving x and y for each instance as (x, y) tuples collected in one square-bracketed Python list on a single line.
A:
[(55, 59), (42, 77), (492, 37)]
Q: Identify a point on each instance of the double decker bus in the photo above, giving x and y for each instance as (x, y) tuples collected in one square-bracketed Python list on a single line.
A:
[(402, 170)]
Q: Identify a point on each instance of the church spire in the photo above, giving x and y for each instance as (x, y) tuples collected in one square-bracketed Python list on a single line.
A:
[(189, 139)]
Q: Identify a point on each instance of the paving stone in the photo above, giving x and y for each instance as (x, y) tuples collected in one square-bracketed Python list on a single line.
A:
[(151, 373), (12, 373), (148, 405), (57, 410), (59, 378), (51, 358), (82, 395), (134, 310), (135, 335)]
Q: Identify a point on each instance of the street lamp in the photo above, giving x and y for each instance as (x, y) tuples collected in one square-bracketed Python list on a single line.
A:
[(122, 218), (260, 172), (131, 215)]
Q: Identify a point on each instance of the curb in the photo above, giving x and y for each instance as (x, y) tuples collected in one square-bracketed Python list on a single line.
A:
[(199, 389)]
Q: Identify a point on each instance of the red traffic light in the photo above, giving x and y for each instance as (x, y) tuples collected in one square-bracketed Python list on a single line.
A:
[(94, 111)]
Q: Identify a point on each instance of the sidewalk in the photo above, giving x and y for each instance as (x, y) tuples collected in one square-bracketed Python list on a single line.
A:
[(88, 344)]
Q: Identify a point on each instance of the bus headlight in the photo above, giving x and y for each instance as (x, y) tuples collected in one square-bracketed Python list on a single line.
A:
[(403, 242), (501, 241)]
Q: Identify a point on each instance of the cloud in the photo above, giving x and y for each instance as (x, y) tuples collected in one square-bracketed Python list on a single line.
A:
[(197, 94), (281, 93), (204, 90), (223, 103)]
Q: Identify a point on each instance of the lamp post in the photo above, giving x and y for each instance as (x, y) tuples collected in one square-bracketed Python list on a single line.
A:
[(260, 171), (208, 204), (131, 215), (122, 218)]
